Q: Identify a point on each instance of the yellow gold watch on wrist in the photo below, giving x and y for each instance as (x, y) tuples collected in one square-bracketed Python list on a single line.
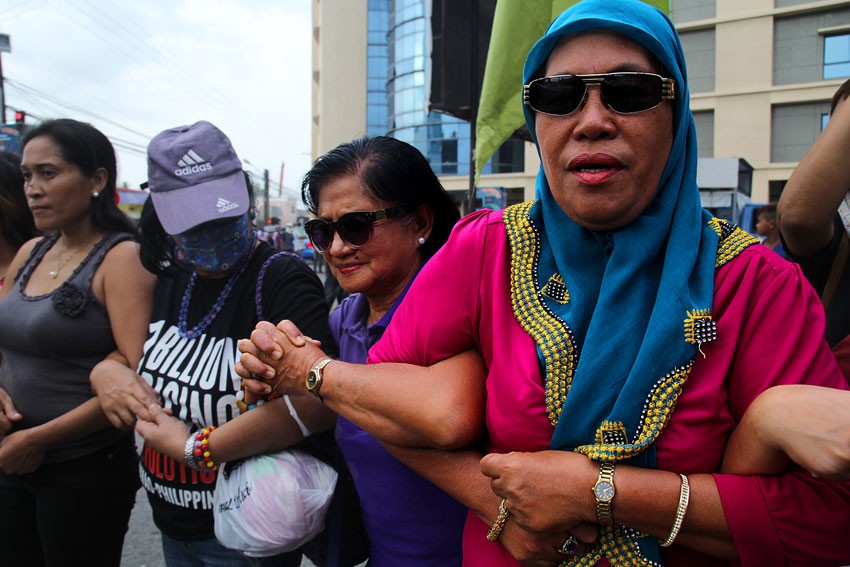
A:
[(604, 493), (314, 377)]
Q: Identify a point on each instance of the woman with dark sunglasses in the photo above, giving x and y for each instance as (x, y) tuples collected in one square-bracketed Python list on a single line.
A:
[(624, 332), (382, 213)]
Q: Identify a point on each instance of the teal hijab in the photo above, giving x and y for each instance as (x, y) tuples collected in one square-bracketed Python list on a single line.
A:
[(621, 304)]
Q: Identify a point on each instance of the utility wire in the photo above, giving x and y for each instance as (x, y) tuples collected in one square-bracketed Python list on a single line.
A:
[(117, 47), (7, 12), (162, 59), (106, 26), (167, 62), (35, 92)]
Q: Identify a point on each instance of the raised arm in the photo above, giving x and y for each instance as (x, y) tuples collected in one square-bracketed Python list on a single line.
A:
[(816, 188)]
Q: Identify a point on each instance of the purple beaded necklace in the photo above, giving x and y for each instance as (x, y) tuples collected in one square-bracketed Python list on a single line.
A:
[(182, 319)]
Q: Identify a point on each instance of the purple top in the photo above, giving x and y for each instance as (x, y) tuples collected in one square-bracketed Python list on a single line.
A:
[(410, 521)]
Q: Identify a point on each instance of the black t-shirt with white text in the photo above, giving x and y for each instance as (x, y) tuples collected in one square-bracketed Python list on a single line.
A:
[(196, 378)]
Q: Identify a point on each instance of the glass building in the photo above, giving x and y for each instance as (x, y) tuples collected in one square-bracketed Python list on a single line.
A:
[(397, 103)]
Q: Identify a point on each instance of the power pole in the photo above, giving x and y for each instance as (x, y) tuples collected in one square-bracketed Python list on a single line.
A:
[(266, 194), (5, 47)]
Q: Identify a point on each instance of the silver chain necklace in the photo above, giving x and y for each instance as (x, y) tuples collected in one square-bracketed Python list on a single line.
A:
[(60, 263)]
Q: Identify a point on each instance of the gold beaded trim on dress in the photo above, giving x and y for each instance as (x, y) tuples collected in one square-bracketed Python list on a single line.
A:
[(553, 336), (556, 342), (733, 240)]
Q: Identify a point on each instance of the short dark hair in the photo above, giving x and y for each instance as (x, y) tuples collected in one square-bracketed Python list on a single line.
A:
[(842, 93), (768, 210), (16, 222), (89, 149), (393, 171)]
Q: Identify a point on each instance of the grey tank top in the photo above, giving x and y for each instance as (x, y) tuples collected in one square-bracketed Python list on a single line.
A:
[(51, 342)]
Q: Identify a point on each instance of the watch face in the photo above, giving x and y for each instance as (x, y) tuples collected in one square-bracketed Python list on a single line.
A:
[(312, 377), (604, 490)]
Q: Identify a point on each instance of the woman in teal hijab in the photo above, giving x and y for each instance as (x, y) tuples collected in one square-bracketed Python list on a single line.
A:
[(618, 223), (623, 329)]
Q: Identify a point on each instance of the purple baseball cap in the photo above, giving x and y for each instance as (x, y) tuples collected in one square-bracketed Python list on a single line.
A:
[(195, 176)]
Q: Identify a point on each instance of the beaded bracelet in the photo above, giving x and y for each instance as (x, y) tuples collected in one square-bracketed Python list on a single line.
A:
[(500, 522), (189, 453), (202, 449), (684, 495)]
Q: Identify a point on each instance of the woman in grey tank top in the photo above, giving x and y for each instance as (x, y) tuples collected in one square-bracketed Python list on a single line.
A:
[(67, 477)]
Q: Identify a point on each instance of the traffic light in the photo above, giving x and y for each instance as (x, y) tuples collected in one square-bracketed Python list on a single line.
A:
[(20, 121)]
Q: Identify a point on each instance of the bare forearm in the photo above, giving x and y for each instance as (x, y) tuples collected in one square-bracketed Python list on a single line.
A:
[(809, 425), (83, 420), (267, 429), (395, 403), (748, 451), (457, 473), (647, 501), (816, 188)]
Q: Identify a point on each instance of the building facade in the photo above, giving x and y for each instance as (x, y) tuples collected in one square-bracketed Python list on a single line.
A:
[(761, 74)]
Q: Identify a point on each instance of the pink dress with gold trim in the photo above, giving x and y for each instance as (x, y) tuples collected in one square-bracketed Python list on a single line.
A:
[(770, 327)]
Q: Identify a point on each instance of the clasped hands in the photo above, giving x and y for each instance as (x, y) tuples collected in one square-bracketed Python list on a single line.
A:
[(549, 498), (277, 359)]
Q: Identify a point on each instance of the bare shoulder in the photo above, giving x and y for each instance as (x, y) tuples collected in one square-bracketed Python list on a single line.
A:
[(124, 254), (26, 249), (23, 253), (122, 262)]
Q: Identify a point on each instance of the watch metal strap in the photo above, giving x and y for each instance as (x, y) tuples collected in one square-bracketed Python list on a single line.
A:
[(318, 370), (603, 507)]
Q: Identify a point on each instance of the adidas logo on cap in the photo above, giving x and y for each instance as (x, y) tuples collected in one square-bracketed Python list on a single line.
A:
[(224, 205), (191, 163)]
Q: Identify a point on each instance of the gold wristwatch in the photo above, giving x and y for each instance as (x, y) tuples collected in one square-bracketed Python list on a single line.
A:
[(604, 492), (314, 377)]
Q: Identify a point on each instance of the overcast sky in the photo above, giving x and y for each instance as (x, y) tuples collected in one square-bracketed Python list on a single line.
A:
[(134, 68)]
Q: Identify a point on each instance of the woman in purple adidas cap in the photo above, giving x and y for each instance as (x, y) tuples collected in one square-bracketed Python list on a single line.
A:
[(215, 282)]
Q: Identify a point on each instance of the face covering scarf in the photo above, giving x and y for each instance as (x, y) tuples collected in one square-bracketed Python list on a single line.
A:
[(216, 247)]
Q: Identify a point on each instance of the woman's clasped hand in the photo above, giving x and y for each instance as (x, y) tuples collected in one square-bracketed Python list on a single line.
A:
[(277, 358)]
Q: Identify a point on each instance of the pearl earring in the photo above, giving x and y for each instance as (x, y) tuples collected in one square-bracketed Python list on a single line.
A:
[(421, 240), (95, 195)]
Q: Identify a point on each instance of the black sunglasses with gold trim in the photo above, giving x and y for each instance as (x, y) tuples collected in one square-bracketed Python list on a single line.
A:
[(624, 93)]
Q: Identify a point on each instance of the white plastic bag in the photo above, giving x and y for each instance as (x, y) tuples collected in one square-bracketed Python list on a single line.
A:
[(273, 503)]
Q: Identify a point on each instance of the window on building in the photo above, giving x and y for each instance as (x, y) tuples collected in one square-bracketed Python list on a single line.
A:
[(786, 3), (836, 56), (509, 158), (699, 48), (377, 68), (807, 47), (704, 121), (692, 10), (774, 189), (824, 118), (448, 155), (794, 128)]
